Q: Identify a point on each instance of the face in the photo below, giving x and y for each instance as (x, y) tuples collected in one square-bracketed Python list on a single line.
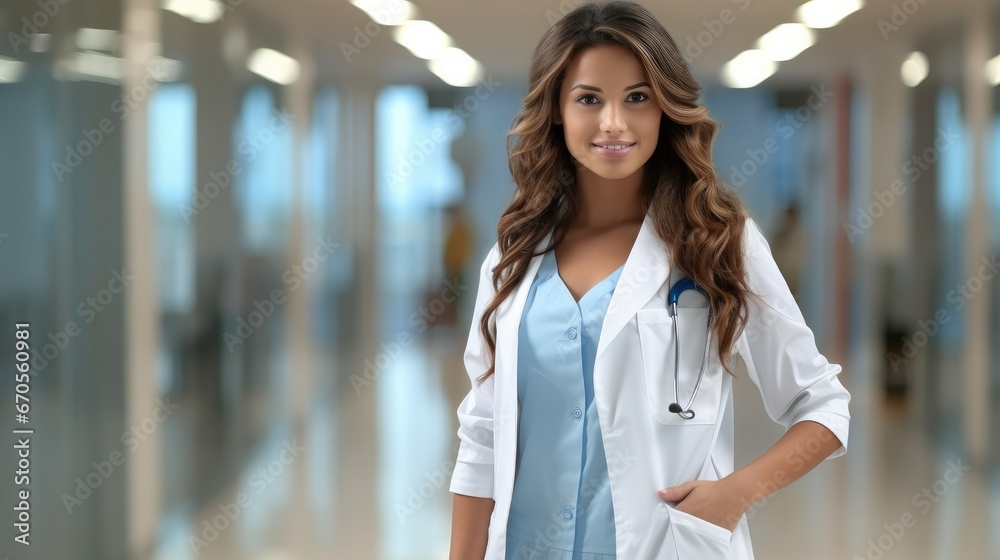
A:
[(610, 119)]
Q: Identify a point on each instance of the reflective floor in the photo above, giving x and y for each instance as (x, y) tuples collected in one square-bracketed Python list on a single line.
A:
[(355, 485)]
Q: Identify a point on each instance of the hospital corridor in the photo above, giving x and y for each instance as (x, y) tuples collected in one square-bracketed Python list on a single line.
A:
[(241, 243)]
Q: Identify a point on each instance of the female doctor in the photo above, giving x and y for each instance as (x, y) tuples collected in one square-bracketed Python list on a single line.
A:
[(599, 424)]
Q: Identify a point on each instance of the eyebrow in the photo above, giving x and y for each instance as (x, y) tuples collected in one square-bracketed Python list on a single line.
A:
[(599, 90)]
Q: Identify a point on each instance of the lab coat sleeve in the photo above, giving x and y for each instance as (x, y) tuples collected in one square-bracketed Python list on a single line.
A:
[(473, 475), (795, 381)]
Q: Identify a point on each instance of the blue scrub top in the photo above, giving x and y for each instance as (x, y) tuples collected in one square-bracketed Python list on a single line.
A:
[(561, 504)]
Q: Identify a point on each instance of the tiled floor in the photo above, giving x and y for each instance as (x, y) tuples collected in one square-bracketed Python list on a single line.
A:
[(372, 481)]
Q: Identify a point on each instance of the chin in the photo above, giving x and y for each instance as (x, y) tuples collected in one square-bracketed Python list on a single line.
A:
[(612, 172)]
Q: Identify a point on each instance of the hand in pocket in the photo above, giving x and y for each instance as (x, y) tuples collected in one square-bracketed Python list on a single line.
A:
[(713, 501)]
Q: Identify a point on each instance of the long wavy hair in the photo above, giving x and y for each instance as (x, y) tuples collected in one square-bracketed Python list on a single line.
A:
[(700, 221)]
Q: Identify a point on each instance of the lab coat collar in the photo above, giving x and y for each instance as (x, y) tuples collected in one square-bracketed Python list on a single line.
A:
[(645, 271)]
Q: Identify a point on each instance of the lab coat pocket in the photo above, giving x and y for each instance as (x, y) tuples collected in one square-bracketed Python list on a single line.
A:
[(656, 339), (696, 538)]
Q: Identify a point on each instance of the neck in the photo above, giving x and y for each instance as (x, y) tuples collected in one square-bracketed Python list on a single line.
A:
[(606, 202)]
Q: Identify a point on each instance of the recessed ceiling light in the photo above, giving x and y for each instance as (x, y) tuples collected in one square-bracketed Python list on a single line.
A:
[(914, 69), (198, 11), (786, 41), (422, 38), (11, 70), (821, 14), (387, 12), (993, 70), (90, 39), (273, 65), (748, 69), (456, 67)]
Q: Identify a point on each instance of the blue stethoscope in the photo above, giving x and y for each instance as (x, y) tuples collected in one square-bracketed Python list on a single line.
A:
[(679, 287)]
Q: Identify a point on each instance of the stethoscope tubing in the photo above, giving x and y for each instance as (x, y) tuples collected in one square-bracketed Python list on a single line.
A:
[(676, 290)]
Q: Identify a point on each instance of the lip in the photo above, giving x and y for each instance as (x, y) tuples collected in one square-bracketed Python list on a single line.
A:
[(614, 154)]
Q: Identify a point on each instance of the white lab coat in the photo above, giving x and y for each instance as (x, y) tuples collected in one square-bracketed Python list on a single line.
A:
[(648, 447)]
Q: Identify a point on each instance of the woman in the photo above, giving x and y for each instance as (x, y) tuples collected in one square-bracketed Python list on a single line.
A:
[(579, 438)]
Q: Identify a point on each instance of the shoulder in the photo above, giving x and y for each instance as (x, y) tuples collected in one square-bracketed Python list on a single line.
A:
[(754, 242), (491, 260), (493, 256), (763, 276)]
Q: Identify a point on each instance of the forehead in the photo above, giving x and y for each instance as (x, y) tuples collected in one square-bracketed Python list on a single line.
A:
[(605, 65)]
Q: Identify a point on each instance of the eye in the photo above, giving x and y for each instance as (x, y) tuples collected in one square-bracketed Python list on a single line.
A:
[(644, 97), (586, 96)]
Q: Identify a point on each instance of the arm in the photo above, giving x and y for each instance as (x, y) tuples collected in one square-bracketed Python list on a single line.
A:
[(472, 480), (804, 446), (470, 524), (800, 388), (800, 391)]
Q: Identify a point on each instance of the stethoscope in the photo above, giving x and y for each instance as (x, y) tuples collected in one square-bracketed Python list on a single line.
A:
[(676, 290)]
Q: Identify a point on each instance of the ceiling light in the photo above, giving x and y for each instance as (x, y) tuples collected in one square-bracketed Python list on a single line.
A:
[(456, 67), (422, 38), (165, 69), (993, 70), (11, 70), (821, 14), (273, 65), (786, 41), (90, 39), (914, 68), (748, 69), (40, 42), (198, 11), (387, 12), (95, 67)]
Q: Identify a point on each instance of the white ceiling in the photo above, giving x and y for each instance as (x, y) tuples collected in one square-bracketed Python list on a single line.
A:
[(502, 35)]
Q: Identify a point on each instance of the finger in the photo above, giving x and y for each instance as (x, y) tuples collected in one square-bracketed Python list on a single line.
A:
[(676, 493)]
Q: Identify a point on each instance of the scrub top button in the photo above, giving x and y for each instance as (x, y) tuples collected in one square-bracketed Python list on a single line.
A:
[(577, 413), (568, 512), (571, 333)]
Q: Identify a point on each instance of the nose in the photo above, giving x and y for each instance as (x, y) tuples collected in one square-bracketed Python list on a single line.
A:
[(612, 120)]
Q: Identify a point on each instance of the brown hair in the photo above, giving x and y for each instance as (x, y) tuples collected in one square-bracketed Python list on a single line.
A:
[(700, 221)]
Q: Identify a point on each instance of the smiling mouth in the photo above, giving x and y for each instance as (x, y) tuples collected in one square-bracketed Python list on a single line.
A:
[(615, 151), (620, 146)]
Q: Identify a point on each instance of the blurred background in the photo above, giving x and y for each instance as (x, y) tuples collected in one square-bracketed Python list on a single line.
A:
[(242, 241)]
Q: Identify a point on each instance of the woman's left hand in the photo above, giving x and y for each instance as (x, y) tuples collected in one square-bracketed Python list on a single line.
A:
[(715, 501)]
